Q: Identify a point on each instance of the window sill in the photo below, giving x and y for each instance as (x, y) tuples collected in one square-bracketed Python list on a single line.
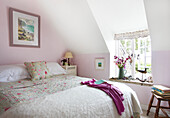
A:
[(132, 81)]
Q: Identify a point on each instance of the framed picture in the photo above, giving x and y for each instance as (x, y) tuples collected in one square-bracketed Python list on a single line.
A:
[(99, 64), (24, 28)]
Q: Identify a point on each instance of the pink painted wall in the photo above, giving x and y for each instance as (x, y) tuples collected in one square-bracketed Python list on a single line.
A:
[(86, 65), (52, 46), (143, 92), (160, 71), (161, 67), (86, 68), (158, 18)]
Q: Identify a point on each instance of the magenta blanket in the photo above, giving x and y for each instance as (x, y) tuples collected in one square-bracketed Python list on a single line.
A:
[(112, 91)]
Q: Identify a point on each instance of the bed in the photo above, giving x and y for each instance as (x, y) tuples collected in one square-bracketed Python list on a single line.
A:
[(62, 96)]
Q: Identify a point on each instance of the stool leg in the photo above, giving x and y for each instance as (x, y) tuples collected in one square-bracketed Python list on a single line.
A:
[(157, 108), (169, 103), (150, 105)]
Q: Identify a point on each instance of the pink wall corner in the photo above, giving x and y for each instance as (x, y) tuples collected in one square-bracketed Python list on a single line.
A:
[(160, 72), (161, 67), (143, 93), (52, 46), (86, 65)]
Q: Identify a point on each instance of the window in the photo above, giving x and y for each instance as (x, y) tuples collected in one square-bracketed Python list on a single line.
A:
[(139, 48)]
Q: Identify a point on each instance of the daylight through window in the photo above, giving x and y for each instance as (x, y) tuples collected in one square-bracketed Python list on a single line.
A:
[(139, 48)]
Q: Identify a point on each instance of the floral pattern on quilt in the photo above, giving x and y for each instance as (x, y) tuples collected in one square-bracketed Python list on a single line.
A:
[(26, 90), (37, 70)]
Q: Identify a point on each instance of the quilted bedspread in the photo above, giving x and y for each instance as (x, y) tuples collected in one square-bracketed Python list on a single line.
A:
[(62, 97)]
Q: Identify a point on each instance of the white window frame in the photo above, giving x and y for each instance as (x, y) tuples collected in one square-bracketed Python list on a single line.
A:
[(133, 71)]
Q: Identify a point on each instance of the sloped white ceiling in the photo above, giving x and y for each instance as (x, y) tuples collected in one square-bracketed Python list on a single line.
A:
[(75, 22), (158, 15), (88, 26), (118, 16)]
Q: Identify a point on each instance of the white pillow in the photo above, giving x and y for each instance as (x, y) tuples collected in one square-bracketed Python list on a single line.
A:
[(55, 68), (10, 73)]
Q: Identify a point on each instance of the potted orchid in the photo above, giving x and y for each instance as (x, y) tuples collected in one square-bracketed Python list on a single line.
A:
[(121, 63)]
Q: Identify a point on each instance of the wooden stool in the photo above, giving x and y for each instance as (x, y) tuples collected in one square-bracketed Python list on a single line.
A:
[(159, 98)]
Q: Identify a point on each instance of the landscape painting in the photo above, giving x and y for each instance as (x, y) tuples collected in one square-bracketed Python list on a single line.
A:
[(25, 29), (99, 63)]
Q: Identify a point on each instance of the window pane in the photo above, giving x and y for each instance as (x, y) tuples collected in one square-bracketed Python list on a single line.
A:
[(129, 69), (141, 64), (136, 44), (142, 51), (148, 51), (148, 42), (128, 43), (144, 58), (129, 51), (142, 43), (121, 52), (122, 42), (148, 64)]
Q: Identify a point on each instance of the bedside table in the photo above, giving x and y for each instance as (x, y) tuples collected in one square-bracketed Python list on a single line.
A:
[(71, 70)]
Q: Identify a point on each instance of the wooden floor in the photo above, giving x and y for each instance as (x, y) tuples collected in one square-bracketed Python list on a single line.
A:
[(151, 114)]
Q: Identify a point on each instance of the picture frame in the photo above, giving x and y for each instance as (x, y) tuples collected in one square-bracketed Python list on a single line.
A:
[(24, 28), (99, 63)]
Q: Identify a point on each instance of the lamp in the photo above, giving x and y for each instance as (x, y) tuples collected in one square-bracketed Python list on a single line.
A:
[(68, 55)]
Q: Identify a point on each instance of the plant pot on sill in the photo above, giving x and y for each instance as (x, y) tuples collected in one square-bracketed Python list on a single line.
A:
[(122, 73)]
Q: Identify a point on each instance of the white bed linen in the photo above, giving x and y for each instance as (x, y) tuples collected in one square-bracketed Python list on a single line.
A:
[(78, 102), (9, 73)]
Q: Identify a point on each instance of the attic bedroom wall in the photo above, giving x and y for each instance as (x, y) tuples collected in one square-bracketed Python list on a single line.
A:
[(52, 46), (117, 16), (158, 16), (65, 25), (75, 22), (113, 16), (120, 16)]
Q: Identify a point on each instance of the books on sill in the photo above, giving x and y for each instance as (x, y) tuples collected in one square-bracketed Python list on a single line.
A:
[(161, 90)]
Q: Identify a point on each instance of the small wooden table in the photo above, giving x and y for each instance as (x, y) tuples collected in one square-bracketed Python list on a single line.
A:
[(159, 98)]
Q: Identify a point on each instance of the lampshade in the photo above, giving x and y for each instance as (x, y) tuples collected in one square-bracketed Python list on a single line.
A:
[(68, 55)]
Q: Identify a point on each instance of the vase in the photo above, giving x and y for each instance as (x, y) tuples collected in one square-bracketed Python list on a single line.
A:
[(121, 73)]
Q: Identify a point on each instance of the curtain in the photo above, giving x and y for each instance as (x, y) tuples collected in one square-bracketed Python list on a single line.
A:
[(132, 35)]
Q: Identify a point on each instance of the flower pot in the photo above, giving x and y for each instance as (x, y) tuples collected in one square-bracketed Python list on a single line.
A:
[(121, 73)]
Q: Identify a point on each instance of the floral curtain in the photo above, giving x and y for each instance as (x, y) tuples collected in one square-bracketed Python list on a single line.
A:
[(132, 35)]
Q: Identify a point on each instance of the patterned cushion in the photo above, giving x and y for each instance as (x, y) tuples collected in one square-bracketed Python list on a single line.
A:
[(37, 70)]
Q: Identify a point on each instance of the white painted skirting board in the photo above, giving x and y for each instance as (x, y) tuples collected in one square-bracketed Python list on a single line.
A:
[(145, 107)]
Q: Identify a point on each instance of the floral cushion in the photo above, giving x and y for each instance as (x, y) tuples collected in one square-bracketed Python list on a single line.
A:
[(37, 70)]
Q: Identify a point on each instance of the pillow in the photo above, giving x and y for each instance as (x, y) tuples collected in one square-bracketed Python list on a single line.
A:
[(10, 73), (37, 70), (55, 69)]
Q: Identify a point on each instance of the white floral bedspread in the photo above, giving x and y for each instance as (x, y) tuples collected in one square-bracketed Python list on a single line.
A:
[(78, 102)]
